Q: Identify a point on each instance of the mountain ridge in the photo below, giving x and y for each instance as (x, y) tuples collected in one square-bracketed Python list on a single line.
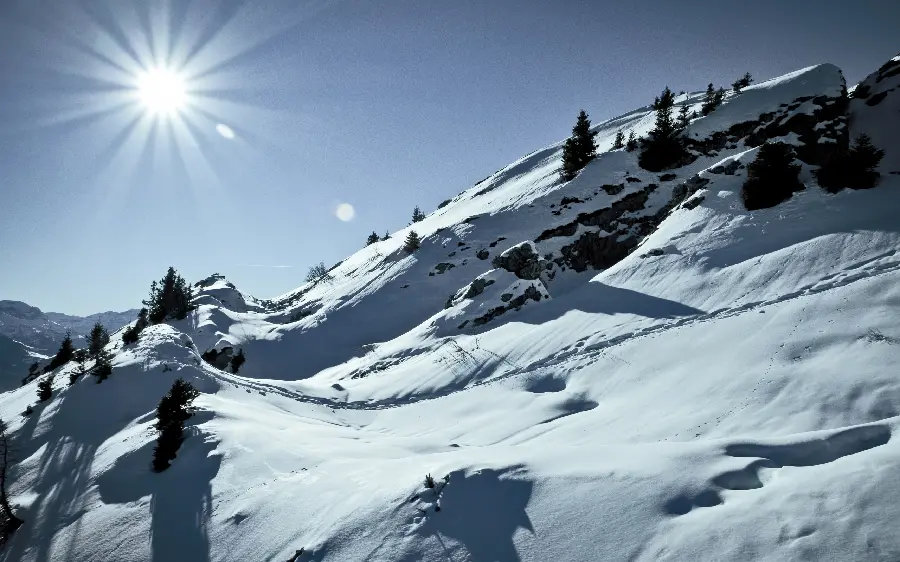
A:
[(617, 367)]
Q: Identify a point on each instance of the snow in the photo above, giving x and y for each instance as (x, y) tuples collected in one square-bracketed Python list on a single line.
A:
[(728, 399)]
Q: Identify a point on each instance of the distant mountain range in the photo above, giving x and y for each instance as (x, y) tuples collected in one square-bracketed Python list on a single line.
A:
[(28, 334)]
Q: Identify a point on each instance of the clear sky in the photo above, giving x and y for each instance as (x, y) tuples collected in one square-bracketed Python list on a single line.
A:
[(294, 107)]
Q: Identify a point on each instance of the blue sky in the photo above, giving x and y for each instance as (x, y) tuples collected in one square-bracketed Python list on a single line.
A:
[(383, 105)]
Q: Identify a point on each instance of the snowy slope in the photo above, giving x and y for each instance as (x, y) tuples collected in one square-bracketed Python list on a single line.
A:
[(28, 334), (627, 366)]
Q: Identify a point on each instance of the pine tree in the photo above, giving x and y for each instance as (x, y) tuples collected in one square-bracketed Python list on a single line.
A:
[(65, 354), (237, 361), (102, 366), (619, 141), (746, 79), (97, 339), (719, 97), (664, 147), (33, 371), (132, 334), (412, 242), (372, 239), (853, 168), (169, 298), (45, 389), (632, 144), (579, 149), (387, 236), (684, 118), (736, 86), (771, 177), (171, 413), (418, 215), (709, 104), (865, 156)]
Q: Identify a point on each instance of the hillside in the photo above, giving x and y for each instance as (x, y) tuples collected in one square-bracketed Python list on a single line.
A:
[(626, 366), (28, 334)]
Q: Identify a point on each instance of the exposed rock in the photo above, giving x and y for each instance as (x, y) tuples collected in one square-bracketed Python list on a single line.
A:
[(631, 179), (667, 177), (592, 249), (693, 203), (482, 254), (613, 189), (444, 266), (653, 252), (531, 293), (477, 287), (497, 241), (603, 217), (569, 200), (521, 260)]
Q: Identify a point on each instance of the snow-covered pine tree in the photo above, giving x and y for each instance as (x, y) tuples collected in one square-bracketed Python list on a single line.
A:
[(619, 141)]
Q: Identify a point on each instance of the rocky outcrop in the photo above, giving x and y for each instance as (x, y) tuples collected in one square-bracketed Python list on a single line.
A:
[(521, 260)]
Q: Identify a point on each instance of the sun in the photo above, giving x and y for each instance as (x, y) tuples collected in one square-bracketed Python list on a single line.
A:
[(162, 91)]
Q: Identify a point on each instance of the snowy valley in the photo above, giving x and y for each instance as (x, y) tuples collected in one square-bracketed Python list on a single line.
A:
[(625, 366)]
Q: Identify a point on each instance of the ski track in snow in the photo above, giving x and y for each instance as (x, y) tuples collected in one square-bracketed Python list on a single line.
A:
[(866, 269)]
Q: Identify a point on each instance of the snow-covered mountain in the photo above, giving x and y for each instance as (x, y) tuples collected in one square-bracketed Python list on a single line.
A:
[(625, 366), (28, 334)]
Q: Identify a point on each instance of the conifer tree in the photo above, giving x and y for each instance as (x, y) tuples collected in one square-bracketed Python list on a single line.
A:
[(65, 354), (736, 86), (237, 361), (387, 236), (632, 144), (418, 215), (412, 242), (719, 97), (663, 147), (579, 149), (771, 177), (173, 410), (709, 104), (853, 168), (102, 366), (864, 158), (169, 298), (132, 334), (684, 118), (33, 371), (97, 339), (45, 389), (619, 141), (372, 239)]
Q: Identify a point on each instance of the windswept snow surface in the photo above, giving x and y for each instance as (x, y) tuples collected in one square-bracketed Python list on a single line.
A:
[(726, 391)]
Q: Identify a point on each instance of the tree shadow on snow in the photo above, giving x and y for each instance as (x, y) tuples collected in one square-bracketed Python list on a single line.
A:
[(181, 496), (481, 512)]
